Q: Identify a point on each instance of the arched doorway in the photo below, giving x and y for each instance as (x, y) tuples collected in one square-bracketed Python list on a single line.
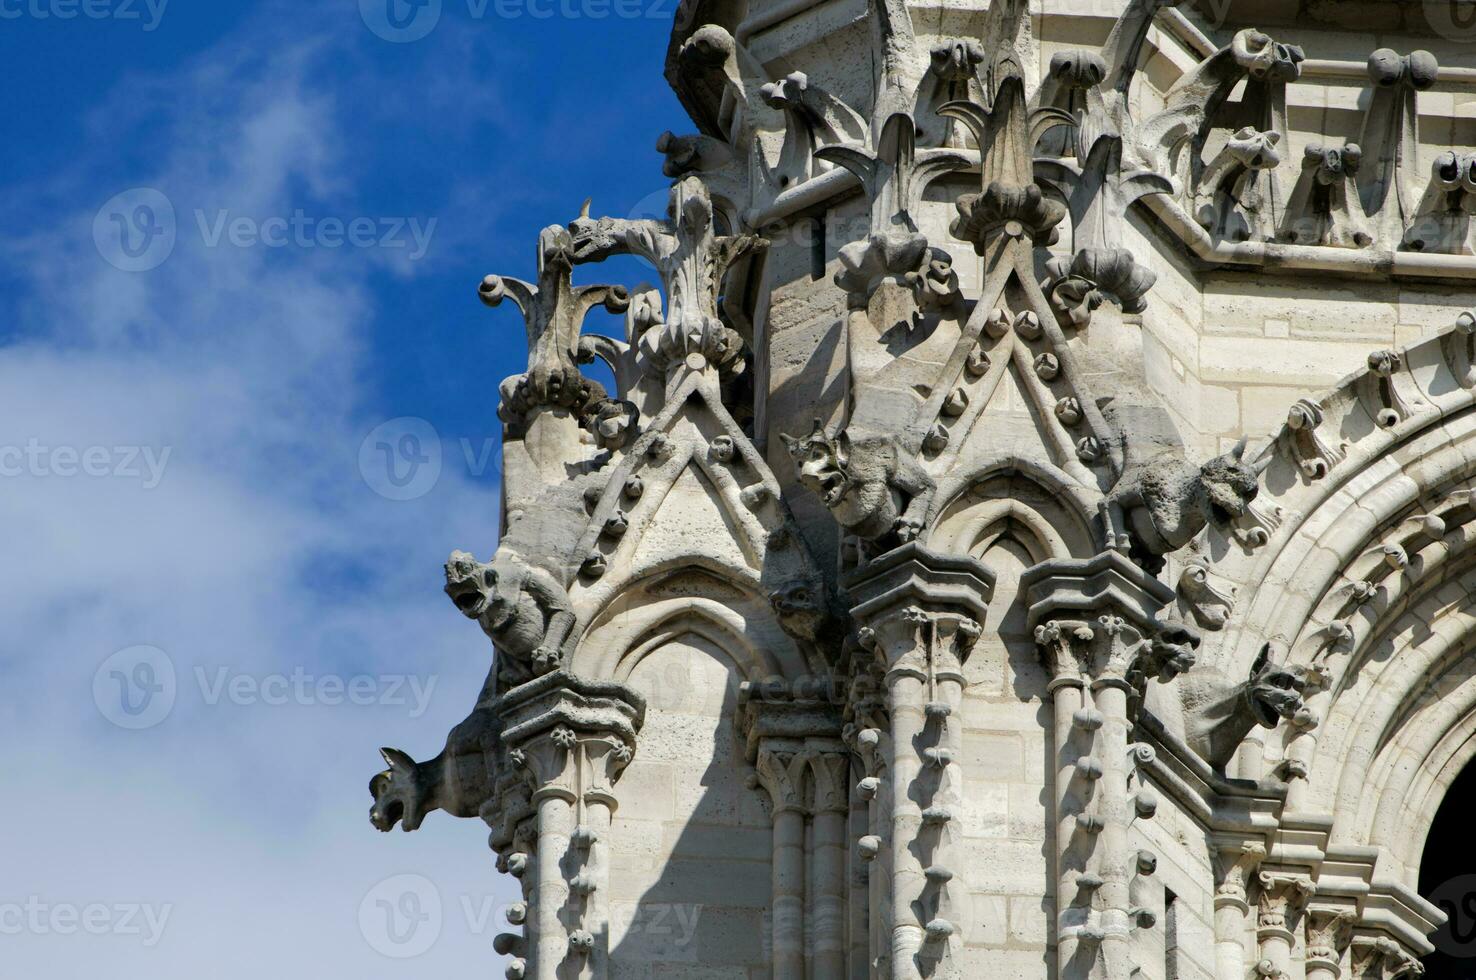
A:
[(1448, 879)]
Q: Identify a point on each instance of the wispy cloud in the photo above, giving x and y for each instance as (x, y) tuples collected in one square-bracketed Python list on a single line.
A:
[(261, 550)]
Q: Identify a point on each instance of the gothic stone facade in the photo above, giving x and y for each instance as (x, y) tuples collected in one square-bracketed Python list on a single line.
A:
[(969, 563)]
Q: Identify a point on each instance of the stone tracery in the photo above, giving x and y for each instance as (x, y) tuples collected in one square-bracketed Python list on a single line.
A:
[(1236, 704)]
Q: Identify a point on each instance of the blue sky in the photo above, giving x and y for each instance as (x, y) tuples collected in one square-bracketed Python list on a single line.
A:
[(219, 601)]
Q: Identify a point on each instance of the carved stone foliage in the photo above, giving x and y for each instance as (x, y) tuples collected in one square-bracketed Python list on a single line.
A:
[(693, 261), (553, 311)]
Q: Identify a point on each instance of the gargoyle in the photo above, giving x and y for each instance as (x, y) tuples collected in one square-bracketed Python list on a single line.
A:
[(523, 608), (458, 780), (1325, 208), (1235, 199), (1191, 106), (1442, 222), (868, 483), (1160, 503), (1219, 711), (801, 609)]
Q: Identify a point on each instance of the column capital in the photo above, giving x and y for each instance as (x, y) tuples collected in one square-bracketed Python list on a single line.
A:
[(909, 592), (570, 737), (1235, 860), (1096, 621), (1281, 898), (1329, 930)]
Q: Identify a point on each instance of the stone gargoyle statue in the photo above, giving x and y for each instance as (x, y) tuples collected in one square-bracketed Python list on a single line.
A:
[(869, 484), (523, 608), (1162, 501), (455, 781), (1219, 711)]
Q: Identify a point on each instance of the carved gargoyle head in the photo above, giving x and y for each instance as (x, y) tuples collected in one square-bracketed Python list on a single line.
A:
[(473, 586), (821, 463), (956, 60), (612, 423), (1254, 149), (799, 608), (1174, 649), (1227, 486), (1266, 59), (593, 239), (1275, 693), (1332, 164), (399, 796)]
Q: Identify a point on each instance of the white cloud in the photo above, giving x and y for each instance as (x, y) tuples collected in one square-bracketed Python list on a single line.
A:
[(261, 550)]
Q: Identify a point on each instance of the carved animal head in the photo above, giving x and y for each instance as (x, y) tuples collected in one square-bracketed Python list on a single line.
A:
[(956, 60), (1266, 59), (399, 796), (821, 463), (1275, 692), (1330, 164), (1254, 149), (1227, 485), (612, 422), (1175, 648), (470, 583), (593, 239), (798, 606)]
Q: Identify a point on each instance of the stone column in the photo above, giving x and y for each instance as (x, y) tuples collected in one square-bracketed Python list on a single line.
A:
[(1328, 933), (1095, 622), (1278, 908), (830, 806), (1235, 861), (919, 616), (782, 775), (571, 739), (792, 734)]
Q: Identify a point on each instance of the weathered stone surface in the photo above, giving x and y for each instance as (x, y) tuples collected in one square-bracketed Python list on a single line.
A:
[(978, 567)]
